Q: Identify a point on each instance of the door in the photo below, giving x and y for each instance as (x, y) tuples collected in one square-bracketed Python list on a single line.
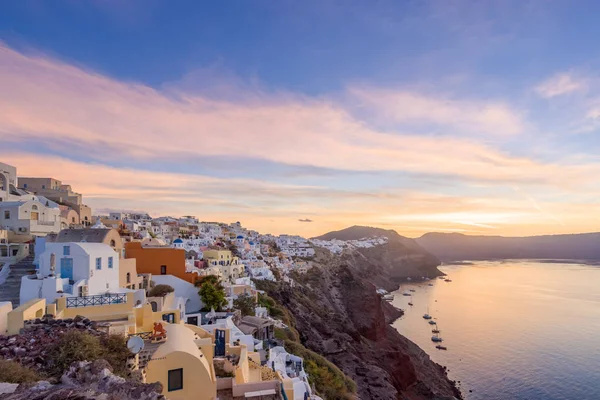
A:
[(170, 318), (219, 343), (192, 321), (66, 268)]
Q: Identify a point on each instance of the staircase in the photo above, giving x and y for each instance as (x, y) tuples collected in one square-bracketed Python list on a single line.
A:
[(10, 290)]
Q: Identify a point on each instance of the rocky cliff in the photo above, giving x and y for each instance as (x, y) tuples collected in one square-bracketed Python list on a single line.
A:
[(339, 315)]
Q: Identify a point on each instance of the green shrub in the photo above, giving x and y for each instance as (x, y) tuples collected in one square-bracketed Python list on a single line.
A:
[(160, 291), (330, 382), (82, 346), (13, 372)]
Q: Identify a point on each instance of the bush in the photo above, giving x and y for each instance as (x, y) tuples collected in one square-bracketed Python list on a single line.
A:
[(245, 303), (13, 372), (330, 382), (73, 346), (81, 346), (160, 291)]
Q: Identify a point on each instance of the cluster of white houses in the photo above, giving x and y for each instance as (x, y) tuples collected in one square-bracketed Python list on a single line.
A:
[(104, 268)]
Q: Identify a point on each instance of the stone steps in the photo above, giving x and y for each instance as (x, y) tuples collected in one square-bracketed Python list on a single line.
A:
[(11, 288)]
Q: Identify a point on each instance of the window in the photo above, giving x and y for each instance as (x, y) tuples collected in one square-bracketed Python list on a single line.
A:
[(43, 186), (110, 262), (112, 243), (128, 277), (66, 250), (25, 186), (6, 214), (163, 269), (34, 207), (99, 263)]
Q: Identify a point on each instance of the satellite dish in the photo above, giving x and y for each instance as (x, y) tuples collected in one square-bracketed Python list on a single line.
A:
[(135, 344)]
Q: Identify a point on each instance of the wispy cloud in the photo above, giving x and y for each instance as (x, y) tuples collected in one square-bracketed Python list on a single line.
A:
[(401, 106), (50, 102), (560, 84)]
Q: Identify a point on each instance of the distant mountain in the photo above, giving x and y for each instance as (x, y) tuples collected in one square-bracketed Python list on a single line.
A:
[(455, 246), (357, 232)]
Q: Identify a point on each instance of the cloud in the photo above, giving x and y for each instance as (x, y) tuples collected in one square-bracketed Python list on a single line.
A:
[(559, 85), (60, 106), (481, 117), (305, 220)]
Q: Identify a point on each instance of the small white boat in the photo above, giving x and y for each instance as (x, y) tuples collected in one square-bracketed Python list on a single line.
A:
[(388, 297), (436, 338), (431, 322), (426, 315), (412, 290), (406, 294)]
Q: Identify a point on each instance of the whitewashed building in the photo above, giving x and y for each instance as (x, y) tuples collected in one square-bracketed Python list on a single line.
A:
[(73, 269)]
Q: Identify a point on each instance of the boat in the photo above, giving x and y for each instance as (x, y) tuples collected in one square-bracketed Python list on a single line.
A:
[(440, 347), (432, 322), (426, 315), (435, 330), (410, 303), (388, 297), (413, 290), (430, 284), (436, 338), (447, 280), (406, 294)]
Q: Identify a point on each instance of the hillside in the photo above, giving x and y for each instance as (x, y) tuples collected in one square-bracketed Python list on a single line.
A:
[(391, 263), (455, 246), (338, 314), (356, 232)]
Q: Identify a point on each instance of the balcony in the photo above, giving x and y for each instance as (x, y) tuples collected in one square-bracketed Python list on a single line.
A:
[(45, 223), (97, 300)]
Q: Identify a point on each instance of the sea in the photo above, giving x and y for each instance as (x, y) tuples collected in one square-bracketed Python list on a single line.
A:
[(523, 330)]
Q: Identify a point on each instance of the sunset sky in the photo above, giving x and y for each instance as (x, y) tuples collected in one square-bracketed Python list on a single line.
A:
[(479, 117)]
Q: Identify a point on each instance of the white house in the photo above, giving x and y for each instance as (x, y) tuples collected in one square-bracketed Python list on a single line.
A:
[(29, 217), (73, 269)]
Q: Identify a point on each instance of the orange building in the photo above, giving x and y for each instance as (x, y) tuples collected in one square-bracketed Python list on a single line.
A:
[(159, 261)]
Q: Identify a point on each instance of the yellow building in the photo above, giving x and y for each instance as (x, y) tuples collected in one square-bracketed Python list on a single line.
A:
[(226, 262), (182, 368)]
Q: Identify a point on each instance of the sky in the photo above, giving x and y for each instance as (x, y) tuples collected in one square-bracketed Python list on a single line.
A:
[(310, 116)]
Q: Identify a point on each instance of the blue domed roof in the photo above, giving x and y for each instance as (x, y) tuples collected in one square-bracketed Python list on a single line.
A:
[(240, 237), (251, 243), (177, 241)]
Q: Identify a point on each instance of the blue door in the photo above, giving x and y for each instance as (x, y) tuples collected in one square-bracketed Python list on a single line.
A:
[(219, 343), (66, 268)]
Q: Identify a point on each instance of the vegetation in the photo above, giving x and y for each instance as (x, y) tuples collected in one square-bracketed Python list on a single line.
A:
[(160, 291), (245, 303), (13, 372), (330, 382), (212, 295), (82, 346)]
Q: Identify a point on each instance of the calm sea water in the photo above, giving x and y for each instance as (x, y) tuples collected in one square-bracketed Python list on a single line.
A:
[(514, 329)]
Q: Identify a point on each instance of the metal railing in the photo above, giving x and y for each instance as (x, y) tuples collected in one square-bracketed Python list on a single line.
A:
[(47, 223), (97, 300)]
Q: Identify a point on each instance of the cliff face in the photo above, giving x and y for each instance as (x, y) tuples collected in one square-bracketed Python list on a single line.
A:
[(339, 315)]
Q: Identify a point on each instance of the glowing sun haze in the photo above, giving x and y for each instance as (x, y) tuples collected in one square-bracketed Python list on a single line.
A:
[(285, 119)]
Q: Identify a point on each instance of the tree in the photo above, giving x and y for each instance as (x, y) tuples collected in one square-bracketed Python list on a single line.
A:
[(212, 279), (213, 296), (160, 291), (245, 303)]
